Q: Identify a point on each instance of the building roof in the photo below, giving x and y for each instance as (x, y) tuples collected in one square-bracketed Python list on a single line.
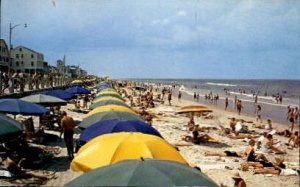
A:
[(3, 41), (33, 51)]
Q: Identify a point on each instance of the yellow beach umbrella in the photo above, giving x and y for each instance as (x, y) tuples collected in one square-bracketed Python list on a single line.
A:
[(76, 81), (106, 98), (112, 108), (112, 148)]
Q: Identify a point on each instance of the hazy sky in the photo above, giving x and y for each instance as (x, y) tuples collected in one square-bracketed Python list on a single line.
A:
[(163, 39)]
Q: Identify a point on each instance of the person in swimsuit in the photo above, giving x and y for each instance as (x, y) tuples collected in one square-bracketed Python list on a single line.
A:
[(250, 154), (226, 103), (268, 145)]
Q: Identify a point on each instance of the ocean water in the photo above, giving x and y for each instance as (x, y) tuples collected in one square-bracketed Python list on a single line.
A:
[(245, 90)]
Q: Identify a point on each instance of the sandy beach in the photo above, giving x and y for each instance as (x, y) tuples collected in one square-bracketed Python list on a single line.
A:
[(171, 126)]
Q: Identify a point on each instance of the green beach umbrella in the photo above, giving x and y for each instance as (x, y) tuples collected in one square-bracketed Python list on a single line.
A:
[(45, 100), (108, 116), (9, 128), (108, 102), (144, 173)]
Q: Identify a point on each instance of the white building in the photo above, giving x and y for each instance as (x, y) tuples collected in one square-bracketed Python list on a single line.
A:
[(27, 60)]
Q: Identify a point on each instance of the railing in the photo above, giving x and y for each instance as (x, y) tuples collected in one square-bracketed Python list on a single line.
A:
[(28, 84)]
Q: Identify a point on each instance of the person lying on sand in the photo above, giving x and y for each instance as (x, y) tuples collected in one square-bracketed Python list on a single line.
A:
[(241, 136), (265, 167), (224, 154), (276, 168), (18, 172), (249, 153), (200, 138), (269, 145), (268, 126), (197, 138), (285, 133), (236, 135)]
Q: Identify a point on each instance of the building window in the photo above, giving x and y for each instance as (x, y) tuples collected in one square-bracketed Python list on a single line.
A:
[(22, 55), (32, 63), (17, 55), (20, 49), (22, 62), (17, 63), (32, 56)]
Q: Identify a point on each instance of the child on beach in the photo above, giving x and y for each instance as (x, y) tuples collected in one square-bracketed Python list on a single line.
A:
[(179, 96)]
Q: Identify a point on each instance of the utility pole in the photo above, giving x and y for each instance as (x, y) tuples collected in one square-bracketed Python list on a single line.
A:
[(11, 88)]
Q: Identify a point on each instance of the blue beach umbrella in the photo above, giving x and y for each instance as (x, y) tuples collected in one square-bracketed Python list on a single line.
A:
[(77, 90), (76, 84), (114, 126), (17, 106), (122, 116), (59, 93)]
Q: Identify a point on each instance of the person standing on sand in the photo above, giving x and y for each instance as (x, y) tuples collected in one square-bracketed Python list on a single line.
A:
[(257, 111), (67, 124), (170, 97), (239, 106), (288, 112), (296, 114), (291, 119), (195, 96), (226, 103)]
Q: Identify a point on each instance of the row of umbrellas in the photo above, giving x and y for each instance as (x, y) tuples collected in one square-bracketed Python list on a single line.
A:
[(120, 149), (33, 105)]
